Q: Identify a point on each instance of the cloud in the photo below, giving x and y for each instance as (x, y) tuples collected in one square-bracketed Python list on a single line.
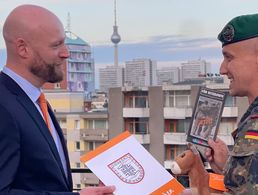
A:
[(161, 48)]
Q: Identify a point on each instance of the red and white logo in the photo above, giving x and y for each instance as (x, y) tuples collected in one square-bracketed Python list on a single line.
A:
[(127, 169)]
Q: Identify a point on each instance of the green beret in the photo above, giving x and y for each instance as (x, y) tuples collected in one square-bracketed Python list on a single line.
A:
[(239, 29)]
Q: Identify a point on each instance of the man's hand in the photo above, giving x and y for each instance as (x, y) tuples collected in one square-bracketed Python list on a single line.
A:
[(217, 155), (104, 190)]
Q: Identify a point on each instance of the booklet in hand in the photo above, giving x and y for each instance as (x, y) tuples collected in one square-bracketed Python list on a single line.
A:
[(206, 116), (125, 163)]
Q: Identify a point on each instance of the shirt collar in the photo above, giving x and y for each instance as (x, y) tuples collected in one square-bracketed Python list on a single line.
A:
[(32, 91)]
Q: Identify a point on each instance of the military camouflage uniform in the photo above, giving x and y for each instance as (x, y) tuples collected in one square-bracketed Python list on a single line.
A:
[(241, 171)]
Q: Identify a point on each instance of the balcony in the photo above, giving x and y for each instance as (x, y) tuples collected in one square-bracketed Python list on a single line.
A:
[(230, 112), (180, 138), (94, 134), (175, 138), (136, 112), (79, 60), (143, 138), (84, 70), (177, 113)]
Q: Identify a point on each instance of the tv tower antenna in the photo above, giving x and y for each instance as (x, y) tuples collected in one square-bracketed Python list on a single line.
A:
[(68, 27), (115, 38)]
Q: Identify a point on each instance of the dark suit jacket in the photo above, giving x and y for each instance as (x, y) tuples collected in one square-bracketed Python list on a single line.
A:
[(29, 161)]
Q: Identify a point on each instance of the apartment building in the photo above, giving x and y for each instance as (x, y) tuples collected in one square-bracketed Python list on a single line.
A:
[(168, 75), (111, 76), (194, 69), (159, 116), (140, 72)]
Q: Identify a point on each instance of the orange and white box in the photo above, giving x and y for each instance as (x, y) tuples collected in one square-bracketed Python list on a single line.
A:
[(125, 163)]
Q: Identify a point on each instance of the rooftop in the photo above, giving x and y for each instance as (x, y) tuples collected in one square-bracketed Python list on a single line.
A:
[(72, 39)]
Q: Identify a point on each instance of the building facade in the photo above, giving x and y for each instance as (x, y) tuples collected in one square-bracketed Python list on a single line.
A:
[(194, 69), (140, 72), (79, 70), (111, 76), (168, 75)]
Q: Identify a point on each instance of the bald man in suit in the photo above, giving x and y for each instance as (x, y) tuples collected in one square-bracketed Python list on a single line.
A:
[(33, 154)]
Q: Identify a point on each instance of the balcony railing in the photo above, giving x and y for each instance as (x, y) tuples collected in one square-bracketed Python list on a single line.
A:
[(136, 112), (175, 138), (143, 138), (94, 134), (177, 113), (230, 112)]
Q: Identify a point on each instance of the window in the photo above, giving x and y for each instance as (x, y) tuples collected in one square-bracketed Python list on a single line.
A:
[(78, 186), (100, 124), (182, 101), (183, 125), (137, 99), (170, 125), (180, 98), (77, 145), (77, 165), (230, 101), (140, 102), (57, 85), (90, 124), (137, 125), (62, 123), (172, 151), (77, 124), (92, 145), (177, 126)]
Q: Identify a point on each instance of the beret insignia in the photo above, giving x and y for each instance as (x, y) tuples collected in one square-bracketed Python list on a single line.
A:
[(228, 33)]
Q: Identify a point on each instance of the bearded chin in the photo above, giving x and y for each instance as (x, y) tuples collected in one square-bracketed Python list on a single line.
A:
[(47, 72), (55, 76)]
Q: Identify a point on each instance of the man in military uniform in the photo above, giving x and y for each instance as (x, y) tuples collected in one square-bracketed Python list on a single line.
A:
[(239, 40)]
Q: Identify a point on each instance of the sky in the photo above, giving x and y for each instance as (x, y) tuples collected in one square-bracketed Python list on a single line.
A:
[(168, 31)]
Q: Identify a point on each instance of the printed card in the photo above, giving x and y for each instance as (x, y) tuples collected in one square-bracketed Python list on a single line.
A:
[(206, 116), (125, 163)]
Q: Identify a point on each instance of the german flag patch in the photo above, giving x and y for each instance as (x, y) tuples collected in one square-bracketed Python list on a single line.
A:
[(255, 116), (251, 134)]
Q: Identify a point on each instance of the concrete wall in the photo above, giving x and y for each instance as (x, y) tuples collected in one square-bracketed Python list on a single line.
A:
[(156, 123), (115, 112)]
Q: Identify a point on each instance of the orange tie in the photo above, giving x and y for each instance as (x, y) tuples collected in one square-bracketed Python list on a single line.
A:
[(43, 106)]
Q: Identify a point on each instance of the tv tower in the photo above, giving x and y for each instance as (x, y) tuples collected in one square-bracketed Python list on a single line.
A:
[(115, 38)]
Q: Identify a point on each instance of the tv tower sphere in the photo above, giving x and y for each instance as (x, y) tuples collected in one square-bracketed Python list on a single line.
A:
[(115, 38)]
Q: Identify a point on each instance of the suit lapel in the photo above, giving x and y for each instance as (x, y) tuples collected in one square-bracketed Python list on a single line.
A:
[(63, 142)]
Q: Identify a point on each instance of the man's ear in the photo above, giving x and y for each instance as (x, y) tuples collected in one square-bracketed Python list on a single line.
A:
[(22, 48)]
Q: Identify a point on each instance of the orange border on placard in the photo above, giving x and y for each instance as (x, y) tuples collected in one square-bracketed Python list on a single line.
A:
[(105, 147), (173, 187)]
